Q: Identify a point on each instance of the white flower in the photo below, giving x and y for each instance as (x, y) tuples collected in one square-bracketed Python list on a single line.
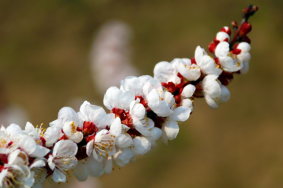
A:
[(116, 98), (103, 143), (225, 96), (206, 63), (15, 172), (70, 130), (40, 173), (244, 54), (16, 176), (29, 145), (140, 121), (163, 71), (62, 159), (170, 128), (193, 70), (67, 120), (187, 94), (95, 114), (10, 136), (36, 133), (228, 60), (158, 100), (212, 90), (185, 67)]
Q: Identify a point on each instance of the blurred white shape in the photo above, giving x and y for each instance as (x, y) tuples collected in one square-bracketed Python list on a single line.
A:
[(13, 114), (110, 63), (110, 55)]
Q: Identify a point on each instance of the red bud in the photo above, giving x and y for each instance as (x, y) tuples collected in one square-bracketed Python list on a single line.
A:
[(246, 39), (245, 29), (226, 30), (212, 47)]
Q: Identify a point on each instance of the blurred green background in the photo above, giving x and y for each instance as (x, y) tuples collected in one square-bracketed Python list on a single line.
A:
[(44, 62)]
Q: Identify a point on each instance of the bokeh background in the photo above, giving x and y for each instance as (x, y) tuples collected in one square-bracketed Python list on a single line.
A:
[(44, 64)]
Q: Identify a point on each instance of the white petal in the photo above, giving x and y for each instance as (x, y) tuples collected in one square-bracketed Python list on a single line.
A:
[(175, 79), (171, 129), (164, 136), (180, 114), (134, 84), (38, 163), (69, 127), (140, 127), (94, 167), (156, 133), (189, 90), (211, 102), (193, 72), (29, 127), (221, 36), (222, 49), (244, 57), (141, 145), (137, 109), (225, 94), (208, 66), (179, 66), (39, 151), (245, 68), (124, 141), (52, 134), (125, 100), (187, 103), (50, 162), (67, 114), (108, 166), (89, 147), (116, 127), (18, 157), (123, 156), (162, 71), (145, 78), (65, 148), (111, 96), (58, 176), (80, 171), (211, 86), (244, 46), (13, 130), (169, 98), (76, 137), (93, 113), (198, 55)]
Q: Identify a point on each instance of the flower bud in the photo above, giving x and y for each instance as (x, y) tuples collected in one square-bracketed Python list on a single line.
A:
[(245, 29), (226, 30), (234, 24)]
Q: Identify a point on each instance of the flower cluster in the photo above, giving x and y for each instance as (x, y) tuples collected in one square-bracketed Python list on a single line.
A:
[(143, 110)]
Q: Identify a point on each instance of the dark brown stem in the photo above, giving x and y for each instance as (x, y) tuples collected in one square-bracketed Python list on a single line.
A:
[(246, 13)]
